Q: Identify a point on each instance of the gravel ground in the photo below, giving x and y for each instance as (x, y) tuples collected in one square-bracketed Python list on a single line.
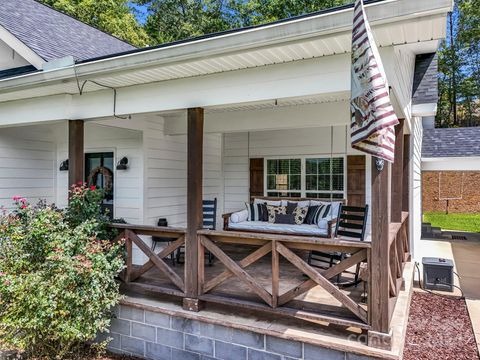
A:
[(439, 328)]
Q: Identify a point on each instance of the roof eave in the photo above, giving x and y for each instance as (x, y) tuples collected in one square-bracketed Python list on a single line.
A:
[(230, 43), (20, 48)]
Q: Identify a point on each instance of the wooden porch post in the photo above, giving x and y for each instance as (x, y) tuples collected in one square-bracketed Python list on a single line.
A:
[(379, 336), (76, 157), (194, 206), (397, 175)]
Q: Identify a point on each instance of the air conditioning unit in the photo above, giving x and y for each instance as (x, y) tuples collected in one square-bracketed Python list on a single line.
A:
[(437, 274)]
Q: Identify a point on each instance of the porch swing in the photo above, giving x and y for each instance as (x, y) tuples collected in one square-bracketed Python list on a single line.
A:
[(351, 224)]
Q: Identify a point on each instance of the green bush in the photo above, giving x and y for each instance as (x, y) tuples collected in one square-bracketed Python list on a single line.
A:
[(57, 275)]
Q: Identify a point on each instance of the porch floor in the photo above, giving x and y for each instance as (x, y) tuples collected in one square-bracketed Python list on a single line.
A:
[(352, 340)]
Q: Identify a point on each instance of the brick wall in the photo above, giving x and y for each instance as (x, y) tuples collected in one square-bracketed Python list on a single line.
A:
[(159, 336), (438, 185)]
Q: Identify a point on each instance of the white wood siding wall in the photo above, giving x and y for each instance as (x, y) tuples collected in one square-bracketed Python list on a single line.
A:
[(239, 147), (416, 183), (27, 165), (128, 203), (166, 173)]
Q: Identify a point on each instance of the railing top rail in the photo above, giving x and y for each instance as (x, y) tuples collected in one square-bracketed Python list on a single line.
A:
[(286, 238), (149, 228)]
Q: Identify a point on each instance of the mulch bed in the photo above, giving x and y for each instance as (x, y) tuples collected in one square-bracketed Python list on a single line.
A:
[(439, 328)]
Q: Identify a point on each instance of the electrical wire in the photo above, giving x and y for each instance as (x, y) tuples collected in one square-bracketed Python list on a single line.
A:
[(81, 88)]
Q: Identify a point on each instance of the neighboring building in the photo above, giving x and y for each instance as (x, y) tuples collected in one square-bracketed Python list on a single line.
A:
[(451, 170), (256, 111)]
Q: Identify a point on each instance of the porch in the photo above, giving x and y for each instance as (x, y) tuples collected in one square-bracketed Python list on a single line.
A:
[(268, 275)]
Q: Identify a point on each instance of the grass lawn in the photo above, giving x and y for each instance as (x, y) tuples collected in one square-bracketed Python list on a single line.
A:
[(459, 222)]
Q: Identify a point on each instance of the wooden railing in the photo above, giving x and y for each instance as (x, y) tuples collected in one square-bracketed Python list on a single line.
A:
[(131, 234), (272, 301), (399, 253), (276, 297)]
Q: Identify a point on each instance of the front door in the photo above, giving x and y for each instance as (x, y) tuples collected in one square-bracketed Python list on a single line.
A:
[(99, 172)]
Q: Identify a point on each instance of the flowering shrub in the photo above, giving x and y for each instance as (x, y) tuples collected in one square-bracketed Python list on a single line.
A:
[(57, 275)]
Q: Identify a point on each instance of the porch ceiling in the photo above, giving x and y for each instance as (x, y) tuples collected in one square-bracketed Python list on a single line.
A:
[(394, 23)]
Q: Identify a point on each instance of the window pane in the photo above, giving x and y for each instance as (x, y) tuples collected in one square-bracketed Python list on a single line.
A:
[(294, 194), (337, 166), (311, 166), (337, 182), (312, 195), (273, 194), (295, 166), (312, 182), (324, 182), (295, 182), (272, 166), (324, 166), (283, 166), (271, 182)]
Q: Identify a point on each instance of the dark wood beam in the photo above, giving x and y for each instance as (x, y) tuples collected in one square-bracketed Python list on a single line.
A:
[(76, 157), (379, 256), (195, 120), (406, 173), (397, 175)]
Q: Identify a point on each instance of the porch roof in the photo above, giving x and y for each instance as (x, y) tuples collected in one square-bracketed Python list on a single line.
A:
[(315, 35)]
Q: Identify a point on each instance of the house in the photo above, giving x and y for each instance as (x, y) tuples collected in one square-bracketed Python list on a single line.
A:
[(451, 170), (231, 116)]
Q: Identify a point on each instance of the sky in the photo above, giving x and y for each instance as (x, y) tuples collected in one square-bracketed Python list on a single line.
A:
[(141, 12)]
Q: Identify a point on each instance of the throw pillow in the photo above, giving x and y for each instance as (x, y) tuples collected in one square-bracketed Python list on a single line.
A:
[(257, 212), (300, 213), (312, 210), (291, 206), (285, 219), (273, 210), (317, 213)]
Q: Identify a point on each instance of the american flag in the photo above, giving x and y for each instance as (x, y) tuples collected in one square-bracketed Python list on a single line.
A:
[(373, 117)]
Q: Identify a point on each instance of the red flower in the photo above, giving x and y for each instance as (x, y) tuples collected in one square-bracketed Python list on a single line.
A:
[(93, 187), (23, 207)]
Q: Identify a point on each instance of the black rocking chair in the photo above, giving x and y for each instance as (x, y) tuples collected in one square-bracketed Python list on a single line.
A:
[(352, 222), (209, 223)]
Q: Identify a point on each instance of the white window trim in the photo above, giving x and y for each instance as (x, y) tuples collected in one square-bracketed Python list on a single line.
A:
[(303, 174)]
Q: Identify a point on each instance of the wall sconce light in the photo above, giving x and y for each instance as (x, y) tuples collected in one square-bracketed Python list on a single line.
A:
[(122, 164), (64, 165)]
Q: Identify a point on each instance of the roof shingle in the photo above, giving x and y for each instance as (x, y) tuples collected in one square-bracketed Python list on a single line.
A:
[(425, 81), (453, 142), (54, 35)]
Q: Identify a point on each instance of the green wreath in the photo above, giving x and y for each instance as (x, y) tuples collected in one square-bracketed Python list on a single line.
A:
[(107, 176)]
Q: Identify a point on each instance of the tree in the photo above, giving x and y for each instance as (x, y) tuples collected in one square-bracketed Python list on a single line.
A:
[(112, 16), (459, 65), (170, 20)]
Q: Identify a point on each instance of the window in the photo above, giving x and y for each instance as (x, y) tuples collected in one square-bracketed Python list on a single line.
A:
[(324, 177), (318, 177), (284, 177)]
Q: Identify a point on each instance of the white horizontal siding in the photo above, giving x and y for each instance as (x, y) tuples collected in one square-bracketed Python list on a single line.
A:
[(416, 183), (166, 173), (128, 184), (27, 165)]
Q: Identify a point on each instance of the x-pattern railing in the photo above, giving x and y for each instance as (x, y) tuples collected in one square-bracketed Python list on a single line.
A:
[(281, 246), (132, 233)]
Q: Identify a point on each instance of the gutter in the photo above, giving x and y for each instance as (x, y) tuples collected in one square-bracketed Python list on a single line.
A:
[(312, 25)]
